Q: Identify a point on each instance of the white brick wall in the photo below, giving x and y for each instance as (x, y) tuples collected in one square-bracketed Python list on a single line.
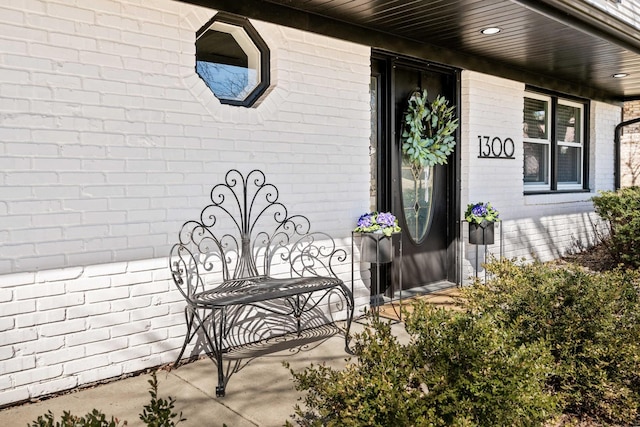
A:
[(66, 327), (535, 226), (129, 138), (109, 141)]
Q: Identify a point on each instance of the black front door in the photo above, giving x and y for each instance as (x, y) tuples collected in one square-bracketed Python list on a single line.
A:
[(423, 200)]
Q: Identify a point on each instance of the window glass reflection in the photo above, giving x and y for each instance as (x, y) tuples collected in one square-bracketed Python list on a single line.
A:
[(569, 123), (569, 170), (535, 118), (536, 160), (232, 59)]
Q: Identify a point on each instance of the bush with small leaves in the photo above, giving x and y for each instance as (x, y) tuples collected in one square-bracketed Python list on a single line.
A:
[(158, 413), (459, 369), (622, 210), (93, 419), (591, 322)]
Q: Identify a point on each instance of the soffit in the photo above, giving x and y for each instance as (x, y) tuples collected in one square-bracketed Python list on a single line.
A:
[(561, 44)]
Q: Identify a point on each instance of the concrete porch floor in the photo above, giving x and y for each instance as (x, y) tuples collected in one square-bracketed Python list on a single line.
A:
[(260, 391)]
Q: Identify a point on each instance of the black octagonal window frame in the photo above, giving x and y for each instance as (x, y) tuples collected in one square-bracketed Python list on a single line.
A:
[(263, 49)]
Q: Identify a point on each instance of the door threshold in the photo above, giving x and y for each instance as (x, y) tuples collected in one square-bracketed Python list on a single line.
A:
[(424, 289)]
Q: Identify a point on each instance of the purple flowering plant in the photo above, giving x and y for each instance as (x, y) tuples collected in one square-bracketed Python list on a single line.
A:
[(478, 212), (378, 222)]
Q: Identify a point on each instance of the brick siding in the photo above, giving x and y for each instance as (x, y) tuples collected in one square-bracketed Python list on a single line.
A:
[(109, 141)]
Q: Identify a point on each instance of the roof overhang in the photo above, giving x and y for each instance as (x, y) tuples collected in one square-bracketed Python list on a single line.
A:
[(566, 45)]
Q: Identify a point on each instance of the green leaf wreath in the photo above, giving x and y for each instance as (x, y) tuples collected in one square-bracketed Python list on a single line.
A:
[(427, 135)]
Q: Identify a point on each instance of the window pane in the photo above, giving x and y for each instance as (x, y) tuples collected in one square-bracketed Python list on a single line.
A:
[(536, 113), (536, 163), (569, 165), (569, 123)]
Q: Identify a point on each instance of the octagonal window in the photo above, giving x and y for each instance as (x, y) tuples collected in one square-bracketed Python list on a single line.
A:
[(232, 59)]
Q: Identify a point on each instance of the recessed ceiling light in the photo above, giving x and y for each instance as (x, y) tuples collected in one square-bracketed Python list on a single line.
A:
[(619, 75), (491, 30)]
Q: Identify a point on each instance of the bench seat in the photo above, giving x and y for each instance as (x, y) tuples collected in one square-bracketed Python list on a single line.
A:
[(259, 289)]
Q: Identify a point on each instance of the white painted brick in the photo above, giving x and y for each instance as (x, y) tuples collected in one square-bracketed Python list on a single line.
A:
[(129, 354), (14, 76), (5, 383), (130, 329), (149, 288), (71, 13), (40, 317), (130, 304), (108, 320), (39, 346), (6, 295), (17, 364), (108, 294), (107, 346), (6, 352), (88, 310), (39, 290), (62, 328), (98, 374), (19, 336), (62, 301), (51, 387), (176, 316), (6, 323), (13, 395), (86, 364), (105, 269), (135, 365), (149, 313), (60, 219), (180, 331), (86, 337), (22, 307), (148, 337), (60, 356)]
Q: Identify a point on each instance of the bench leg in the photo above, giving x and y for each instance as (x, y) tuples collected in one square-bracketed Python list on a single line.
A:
[(348, 296), (187, 337), (298, 315), (217, 345)]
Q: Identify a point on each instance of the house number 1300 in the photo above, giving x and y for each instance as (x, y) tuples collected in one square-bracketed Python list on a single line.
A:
[(495, 148)]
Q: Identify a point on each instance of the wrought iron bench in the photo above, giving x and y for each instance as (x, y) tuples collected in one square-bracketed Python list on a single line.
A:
[(246, 251)]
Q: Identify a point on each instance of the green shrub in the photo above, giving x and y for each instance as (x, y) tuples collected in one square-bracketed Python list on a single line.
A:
[(622, 210), (158, 413), (591, 323), (459, 369), (93, 419)]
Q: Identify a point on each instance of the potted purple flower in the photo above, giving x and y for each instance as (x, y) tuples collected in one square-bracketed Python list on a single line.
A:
[(481, 218), (376, 229)]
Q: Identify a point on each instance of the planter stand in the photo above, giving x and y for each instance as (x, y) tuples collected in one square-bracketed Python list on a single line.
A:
[(378, 249), (483, 235)]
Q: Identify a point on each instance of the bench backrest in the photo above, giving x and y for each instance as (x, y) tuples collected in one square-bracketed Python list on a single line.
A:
[(245, 232)]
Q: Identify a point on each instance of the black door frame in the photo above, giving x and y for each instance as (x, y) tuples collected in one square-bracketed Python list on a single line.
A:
[(387, 133)]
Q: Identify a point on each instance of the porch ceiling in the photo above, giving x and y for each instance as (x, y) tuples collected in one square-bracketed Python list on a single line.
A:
[(566, 45)]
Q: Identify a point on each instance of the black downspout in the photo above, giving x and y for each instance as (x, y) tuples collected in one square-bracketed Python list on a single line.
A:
[(616, 154)]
